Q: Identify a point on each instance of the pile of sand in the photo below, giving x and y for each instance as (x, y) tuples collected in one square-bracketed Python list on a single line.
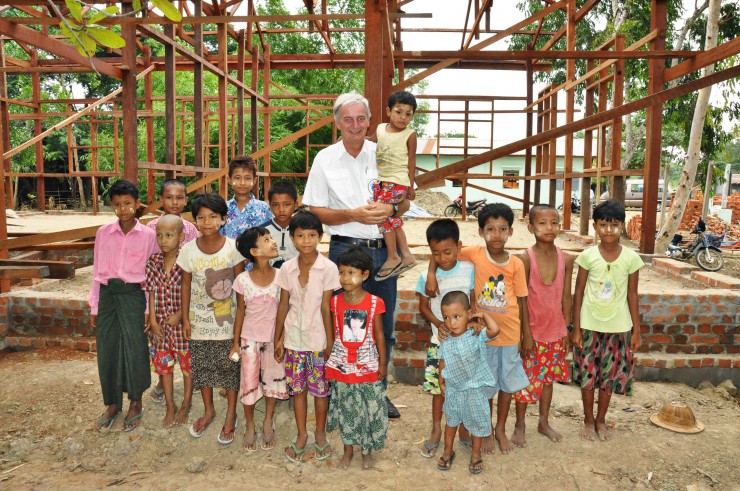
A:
[(434, 202)]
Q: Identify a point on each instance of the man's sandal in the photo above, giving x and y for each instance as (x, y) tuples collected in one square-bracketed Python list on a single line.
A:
[(105, 423), (128, 423)]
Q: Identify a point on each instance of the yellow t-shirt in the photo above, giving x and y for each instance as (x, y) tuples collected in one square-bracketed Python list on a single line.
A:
[(605, 307), (497, 288), (392, 155)]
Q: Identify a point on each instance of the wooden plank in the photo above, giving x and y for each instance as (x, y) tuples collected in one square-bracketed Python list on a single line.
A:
[(655, 99), (724, 50), (59, 246), (538, 54), (21, 272), (62, 270), (49, 237)]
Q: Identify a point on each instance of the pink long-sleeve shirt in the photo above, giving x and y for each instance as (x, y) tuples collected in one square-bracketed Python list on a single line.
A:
[(119, 255)]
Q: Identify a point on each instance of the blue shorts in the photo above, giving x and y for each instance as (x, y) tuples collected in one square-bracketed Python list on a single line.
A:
[(469, 407), (507, 368)]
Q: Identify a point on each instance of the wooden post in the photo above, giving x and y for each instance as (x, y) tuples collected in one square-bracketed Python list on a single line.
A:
[(37, 129), (149, 122), (170, 93), (240, 96), (570, 102), (528, 151), (617, 100), (587, 156), (654, 131), (128, 99), (266, 122), (374, 65), (9, 201), (539, 152), (4, 284), (223, 120), (253, 99), (198, 134), (553, 155), (707, 191)]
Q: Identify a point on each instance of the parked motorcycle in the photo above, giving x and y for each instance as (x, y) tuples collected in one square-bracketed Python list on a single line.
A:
[(705, 247), (455, 209), (575, 205)]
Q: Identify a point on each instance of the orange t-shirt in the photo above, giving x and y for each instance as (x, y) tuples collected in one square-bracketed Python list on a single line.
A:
[(497, 287)]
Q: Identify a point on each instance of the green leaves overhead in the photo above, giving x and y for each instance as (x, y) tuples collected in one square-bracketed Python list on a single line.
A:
[(168, 9), (106, 38)]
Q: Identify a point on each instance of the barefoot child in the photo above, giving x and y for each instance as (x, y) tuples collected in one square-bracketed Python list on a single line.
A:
[(257, 294), (174, 199), (443, 237), (357, 365), (244, 210), (606, 319), (396, 160), (549, 302), (501, 291), (118, 305), (282, 197), (210, 263), (303, 332), (465, 377)]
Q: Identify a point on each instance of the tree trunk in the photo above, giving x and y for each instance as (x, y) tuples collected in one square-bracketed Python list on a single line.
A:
[(697, 127)]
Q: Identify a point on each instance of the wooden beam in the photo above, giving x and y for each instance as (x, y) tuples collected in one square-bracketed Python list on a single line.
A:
[(538, 54), (704, 58), (21, 272), (658, 98), (61, 270), (49, 238)]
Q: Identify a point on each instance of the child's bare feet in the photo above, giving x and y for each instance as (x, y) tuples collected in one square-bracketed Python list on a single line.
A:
[(503, 442), (250, 438), (349, 452), (603, 432), (182, 415), (588, 432), (368, 462), (169, 417), (488, 446), (518, 437), (545, 428)]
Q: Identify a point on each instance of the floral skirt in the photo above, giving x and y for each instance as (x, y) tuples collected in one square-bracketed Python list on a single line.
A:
[(360, 413), (605, 362)]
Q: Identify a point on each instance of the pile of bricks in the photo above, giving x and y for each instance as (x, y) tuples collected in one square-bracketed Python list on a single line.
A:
[(634, 227), (733, 203)]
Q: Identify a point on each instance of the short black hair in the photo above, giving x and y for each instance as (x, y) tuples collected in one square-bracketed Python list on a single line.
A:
[(541, 207), (355, 257), (122, 187), (243, 162), (173, 182), (609, 210), (282, 187), (443, 229), (305, 220), (456, 296), (402, 97), (495, 210), (212, 201), (248, 239)]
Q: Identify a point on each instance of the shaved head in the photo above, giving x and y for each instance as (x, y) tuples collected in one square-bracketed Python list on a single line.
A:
[(171, 221)]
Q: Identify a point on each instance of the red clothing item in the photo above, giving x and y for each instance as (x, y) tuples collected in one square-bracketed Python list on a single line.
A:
[(119, 255), (545, 302), (167, 291)]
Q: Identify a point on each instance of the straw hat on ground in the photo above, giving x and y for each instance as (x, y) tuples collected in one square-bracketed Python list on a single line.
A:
[(677, 416)]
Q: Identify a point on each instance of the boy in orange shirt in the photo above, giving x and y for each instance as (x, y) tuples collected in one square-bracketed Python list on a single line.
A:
[(501, 291)]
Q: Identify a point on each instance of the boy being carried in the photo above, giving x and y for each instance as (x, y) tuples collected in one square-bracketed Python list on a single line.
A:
[(549, 274), (443, 237)]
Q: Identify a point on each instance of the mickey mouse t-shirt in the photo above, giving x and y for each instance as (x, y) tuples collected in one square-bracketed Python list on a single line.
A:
[(497, 286), (212, 298)]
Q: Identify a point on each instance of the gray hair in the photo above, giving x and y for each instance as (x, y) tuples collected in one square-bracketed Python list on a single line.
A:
[(348, 99)]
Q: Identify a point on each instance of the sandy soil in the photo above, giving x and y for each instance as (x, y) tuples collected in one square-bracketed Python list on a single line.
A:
[(49, 401)]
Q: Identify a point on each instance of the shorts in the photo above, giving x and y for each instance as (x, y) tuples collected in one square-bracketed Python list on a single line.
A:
[(163, 361), (261, 375), (431, 371), (544, 366), (212, 366), (306, 370), (469, 407), (390, 193), (506, 366), (605, 362)]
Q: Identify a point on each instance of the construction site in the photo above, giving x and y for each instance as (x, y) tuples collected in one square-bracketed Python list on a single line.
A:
[(153, 126)]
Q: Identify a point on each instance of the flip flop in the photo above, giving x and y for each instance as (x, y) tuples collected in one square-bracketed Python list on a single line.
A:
[(106, 423), (467, 445), (247, 442), (127, 422), (157, 395), (320, 450), (446, 464), (472, 468), (391, 272), (431, 449), (229, 434), (267, 441), (197, 434), (298, 452), (407, 267)]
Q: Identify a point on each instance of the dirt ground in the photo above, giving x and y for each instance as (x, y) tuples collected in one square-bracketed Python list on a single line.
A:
[(49, 401)]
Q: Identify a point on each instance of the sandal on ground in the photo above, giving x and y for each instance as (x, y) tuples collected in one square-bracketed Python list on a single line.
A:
[(389, 272), (130, 424), (157, 395), (473, 465), (298, 452), (429, 449), (268, 443), (194, 432), (320, 455), (445, 464), (106, 423), (247, 443), (467, 445), (228, 438)]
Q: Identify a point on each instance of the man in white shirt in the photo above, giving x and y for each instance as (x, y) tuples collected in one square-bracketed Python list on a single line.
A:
[(339, 192)]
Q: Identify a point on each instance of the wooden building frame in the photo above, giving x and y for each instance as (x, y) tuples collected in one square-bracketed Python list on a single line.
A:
[(384, 60)]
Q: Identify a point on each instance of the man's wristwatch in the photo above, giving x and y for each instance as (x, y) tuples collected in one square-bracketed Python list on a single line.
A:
[(395, 209)]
